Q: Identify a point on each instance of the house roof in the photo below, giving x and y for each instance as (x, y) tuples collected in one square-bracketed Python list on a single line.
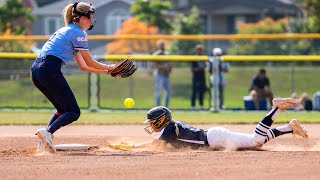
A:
[(57, 7), (272, 6)]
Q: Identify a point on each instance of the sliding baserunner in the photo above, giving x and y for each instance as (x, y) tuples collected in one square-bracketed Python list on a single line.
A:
[(179, 134)]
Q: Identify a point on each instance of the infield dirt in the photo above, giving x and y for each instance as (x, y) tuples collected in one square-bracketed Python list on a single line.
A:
[(286, 157)]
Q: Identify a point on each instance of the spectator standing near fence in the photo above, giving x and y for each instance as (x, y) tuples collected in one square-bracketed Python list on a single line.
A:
[(162, 70), (65, 45), (260, 88), (198, 79), (222, 68)]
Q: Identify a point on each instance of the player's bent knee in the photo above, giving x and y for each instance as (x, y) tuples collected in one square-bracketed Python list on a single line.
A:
[(75, 115)]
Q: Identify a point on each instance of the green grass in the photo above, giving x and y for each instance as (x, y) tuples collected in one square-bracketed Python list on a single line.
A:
[(37, 118), (22, 93)]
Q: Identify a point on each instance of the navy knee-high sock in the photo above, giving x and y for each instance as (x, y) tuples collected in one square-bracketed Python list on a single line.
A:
[(65, 119), (55, 116)]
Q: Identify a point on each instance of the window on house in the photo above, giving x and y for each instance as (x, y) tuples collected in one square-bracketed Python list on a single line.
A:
[(231, 27), (115, 19), (52, 24)]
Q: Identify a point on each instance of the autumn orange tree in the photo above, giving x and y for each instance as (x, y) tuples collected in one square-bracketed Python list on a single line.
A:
[(132, 26)]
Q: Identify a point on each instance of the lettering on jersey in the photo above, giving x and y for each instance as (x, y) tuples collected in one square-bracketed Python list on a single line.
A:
[(82, 39)]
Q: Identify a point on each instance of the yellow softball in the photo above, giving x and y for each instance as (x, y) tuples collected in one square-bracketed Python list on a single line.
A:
[(129, 103)]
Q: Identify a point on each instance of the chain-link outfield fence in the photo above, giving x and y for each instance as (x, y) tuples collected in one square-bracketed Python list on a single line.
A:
[(141, 87), (99, 91), (287, 74), (17, 90)]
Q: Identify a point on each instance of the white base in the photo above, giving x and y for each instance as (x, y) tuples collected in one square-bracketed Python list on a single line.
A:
[(72, 147)]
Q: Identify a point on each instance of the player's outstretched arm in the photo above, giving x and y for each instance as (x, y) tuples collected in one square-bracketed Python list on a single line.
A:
[(84, 66), (124, 145), (142, 145), (86, 56)]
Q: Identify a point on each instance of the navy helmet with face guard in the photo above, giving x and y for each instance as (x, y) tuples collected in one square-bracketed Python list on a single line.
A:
[(158, 118)]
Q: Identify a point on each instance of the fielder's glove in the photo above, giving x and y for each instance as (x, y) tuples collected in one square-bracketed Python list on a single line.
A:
[(124, 69)]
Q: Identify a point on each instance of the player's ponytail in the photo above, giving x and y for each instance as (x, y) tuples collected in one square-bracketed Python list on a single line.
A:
[(67, 14), (70, 15)]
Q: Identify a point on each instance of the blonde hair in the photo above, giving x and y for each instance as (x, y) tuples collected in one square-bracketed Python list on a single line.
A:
[(69, 16)]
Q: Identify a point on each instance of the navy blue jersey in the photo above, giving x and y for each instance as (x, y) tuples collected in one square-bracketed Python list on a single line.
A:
[(200, 74), (182, 135)]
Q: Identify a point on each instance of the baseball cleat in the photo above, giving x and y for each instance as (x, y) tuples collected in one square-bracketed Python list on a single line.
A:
[(297, 129), (284, 103), (46, 138)]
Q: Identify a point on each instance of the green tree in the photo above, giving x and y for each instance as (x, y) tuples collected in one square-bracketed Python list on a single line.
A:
[(297, 1), (313, 13), (14, 18), (310, 23), (260, 47), (192, 24), (12, 11), (152, 12)]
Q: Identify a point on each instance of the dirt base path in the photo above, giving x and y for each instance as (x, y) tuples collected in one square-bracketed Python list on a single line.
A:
[(286, 157)]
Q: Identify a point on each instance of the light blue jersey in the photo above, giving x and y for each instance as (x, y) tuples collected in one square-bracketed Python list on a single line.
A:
[(65, 43)]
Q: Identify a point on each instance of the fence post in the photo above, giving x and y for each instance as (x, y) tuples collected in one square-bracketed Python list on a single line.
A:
[(93, 92), (214, 77)]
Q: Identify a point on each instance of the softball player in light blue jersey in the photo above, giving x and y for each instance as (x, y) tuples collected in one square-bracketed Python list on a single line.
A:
[(66, 44)]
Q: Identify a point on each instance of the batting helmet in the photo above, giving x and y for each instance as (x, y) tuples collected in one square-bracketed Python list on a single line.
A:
[(158, 118)]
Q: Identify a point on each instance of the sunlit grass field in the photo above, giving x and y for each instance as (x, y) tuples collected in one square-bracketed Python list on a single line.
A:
[(132, 117)]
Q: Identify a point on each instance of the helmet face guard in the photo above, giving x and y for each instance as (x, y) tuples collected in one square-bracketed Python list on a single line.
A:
[(93, 23), (158, 118), (149, 130)]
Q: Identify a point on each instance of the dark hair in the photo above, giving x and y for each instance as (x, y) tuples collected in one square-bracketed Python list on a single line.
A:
[(262, 71), (308, 105)]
